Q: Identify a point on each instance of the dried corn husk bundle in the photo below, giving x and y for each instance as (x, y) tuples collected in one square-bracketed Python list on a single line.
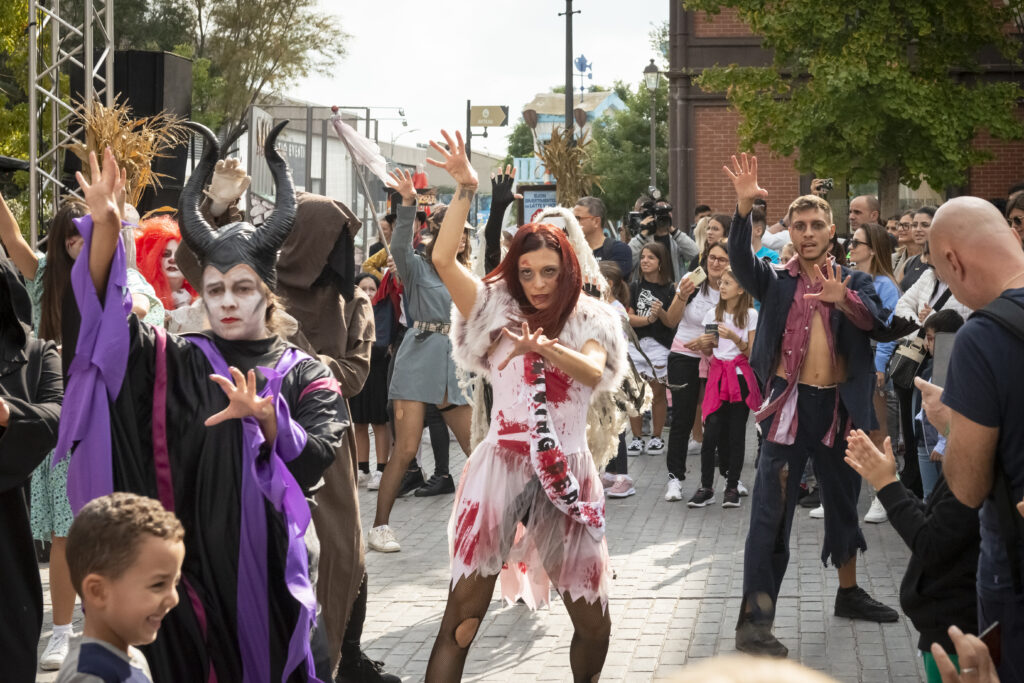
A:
[(567, 162), (135, 142)]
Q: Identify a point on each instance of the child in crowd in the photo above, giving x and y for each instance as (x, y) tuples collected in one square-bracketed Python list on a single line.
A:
[(616, 480), (124, 554), (730, 394), (788, 252), (654, 315), (370, 405)]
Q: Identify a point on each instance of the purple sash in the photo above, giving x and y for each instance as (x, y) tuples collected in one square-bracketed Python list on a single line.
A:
[(270, 478)]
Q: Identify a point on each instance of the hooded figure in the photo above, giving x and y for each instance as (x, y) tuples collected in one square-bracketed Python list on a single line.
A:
[(31, 387), (239, 484)]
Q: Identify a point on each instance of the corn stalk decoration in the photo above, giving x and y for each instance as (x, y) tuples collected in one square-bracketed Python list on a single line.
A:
[(567, 160), (135, 142)]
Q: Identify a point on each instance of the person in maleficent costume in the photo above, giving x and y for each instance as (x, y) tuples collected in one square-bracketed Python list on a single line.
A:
[(31, 390), (230, 428)]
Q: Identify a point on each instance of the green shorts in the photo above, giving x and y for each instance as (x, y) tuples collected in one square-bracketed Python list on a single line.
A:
[(931, 669)]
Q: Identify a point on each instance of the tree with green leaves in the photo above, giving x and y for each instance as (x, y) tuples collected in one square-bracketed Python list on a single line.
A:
[(620, 154), (872, 90), (520, 142)]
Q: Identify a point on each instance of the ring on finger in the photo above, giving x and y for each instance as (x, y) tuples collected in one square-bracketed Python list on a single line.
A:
[(968, 670)]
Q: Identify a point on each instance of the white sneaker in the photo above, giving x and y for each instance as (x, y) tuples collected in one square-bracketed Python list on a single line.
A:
[(694, 446), (362, 478), (818, 512), (876, 513), (383, 540), (56, 651), (635, 447), (607, 479), (374, 483), (655, 446), (674, 492), (741, 489)]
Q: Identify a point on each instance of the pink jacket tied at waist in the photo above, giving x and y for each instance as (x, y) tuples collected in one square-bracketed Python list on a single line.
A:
[(724, 385)]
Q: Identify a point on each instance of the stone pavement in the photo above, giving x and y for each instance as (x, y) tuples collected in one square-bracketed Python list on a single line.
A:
[(674, 599)]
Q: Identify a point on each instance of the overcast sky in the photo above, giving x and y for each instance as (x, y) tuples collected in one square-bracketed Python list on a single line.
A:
[(430, 57)]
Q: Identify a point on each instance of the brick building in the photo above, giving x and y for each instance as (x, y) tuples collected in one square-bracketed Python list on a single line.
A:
[(703, 128)]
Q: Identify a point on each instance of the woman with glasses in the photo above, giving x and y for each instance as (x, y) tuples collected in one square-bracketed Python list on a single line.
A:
[(905, 247), (869, 253), (1015, 212), (920, 228)]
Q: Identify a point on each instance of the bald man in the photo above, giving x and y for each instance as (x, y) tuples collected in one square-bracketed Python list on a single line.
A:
[(864, 209), (980, 258)]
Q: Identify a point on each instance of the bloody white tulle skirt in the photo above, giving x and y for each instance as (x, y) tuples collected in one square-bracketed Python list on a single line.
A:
[(503, 522)]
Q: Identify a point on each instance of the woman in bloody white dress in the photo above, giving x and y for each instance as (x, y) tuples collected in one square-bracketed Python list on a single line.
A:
[(530, 504)]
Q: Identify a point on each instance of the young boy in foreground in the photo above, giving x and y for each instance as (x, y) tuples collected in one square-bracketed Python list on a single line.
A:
[(124, 554)]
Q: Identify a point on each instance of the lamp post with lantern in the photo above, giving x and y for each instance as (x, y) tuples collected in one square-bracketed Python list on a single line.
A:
[(651, 79)]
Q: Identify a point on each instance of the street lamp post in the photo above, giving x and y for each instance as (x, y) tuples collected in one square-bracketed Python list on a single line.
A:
[(651, 79)]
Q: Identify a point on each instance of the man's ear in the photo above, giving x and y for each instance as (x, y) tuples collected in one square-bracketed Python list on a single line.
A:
[(832, 231)]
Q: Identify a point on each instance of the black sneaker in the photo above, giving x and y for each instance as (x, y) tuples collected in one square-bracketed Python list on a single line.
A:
[(758, 640), (702, 497), (364, 670), (731, 498), (437, 485), (411, 480), (811, 500), (855, 603)]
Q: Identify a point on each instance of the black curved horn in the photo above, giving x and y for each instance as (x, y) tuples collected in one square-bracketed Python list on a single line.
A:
[(277, 226), (196, 232), (226, 147)]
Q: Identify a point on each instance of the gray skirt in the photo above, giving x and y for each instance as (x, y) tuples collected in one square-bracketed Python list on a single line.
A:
[(425, 370)]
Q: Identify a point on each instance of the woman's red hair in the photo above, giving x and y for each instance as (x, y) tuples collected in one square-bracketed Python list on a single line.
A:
[(150, 242), (531, 237)]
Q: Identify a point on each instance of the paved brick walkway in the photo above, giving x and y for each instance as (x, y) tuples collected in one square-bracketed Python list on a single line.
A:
[(675, 597)]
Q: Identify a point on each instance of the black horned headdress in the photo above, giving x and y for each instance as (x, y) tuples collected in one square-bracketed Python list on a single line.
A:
[(240, 242)]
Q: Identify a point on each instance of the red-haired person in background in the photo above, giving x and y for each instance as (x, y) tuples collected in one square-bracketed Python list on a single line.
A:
[(155, 243)]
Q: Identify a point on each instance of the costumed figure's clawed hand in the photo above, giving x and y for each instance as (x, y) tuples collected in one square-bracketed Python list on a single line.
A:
[(455, 161), (227, 185), (104, 191), (833, 287), (528, 342), (244, 402), (401, 182)]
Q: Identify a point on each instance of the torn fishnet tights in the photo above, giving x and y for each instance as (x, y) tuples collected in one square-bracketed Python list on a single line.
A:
[(467, 605)]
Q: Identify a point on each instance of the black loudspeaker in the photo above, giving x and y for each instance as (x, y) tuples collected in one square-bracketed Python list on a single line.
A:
[(149, 83)]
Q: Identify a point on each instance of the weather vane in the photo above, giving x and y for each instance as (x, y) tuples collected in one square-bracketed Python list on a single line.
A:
[(583, 68)]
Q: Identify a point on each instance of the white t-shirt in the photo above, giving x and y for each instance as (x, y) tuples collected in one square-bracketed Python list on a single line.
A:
[(727, 349), (691, 325), (776, 240)]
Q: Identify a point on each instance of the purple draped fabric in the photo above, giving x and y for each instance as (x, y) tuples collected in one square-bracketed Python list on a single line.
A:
[(270, 478), (94, 376)]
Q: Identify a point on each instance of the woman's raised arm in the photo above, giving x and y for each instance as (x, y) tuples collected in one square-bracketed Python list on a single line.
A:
[(460, 282), (17, 248), (104, 196)]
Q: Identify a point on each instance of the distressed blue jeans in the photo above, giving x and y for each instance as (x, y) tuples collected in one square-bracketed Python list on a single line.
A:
[(774, 498)]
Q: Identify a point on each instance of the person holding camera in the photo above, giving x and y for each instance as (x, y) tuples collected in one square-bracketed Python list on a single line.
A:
[(653, 223)]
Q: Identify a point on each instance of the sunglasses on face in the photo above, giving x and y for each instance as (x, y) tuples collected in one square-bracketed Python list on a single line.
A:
[(1017, 221), (853, 244)]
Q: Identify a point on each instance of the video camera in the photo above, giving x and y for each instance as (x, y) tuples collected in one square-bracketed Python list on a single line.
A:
[(650, 208)]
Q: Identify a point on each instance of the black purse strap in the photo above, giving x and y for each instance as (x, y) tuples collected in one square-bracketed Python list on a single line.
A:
[(1010, 315), (939, 303)]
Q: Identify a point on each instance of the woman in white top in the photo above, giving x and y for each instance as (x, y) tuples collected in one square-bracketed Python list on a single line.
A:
[(684, 363)]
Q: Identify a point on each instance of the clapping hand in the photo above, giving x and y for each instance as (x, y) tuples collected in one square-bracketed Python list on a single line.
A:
[(833, 287), (655, 310), (876, 467), (454, 160), (528, 342), (401, 182)]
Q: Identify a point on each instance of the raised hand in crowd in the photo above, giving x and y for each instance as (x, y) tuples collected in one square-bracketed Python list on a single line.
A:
[(229, 182), (744, 180), (501, 186), (455, 161), (974, 660), (243, 402), (877, 467), (401, 182), (104, 195), (833, 287)]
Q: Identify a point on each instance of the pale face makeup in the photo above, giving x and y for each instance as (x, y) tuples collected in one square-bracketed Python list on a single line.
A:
[(234, 303), (170, 266), (538, 275)]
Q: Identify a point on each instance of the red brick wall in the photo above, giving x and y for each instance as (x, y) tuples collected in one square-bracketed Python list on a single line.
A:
[(726, 24), (716, 142), (992, 179)]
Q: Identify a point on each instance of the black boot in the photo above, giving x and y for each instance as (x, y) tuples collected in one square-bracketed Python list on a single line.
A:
[(855, 603), (411, 480), (757, 639), (437, 485), (362, 669)]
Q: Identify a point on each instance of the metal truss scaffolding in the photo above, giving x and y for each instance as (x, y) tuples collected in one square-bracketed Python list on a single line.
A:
[(58, 46)]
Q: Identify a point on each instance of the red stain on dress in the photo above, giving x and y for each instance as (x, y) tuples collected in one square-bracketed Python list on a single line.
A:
[(558, 384), (466, 536)]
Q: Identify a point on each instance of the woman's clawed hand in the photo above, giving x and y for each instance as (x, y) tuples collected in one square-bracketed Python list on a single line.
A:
[(104, 192), (243, 400), (528, 342), (401, 182)]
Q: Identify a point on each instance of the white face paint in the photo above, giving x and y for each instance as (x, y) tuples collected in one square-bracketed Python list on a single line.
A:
[(170, 266), (234, 303)]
